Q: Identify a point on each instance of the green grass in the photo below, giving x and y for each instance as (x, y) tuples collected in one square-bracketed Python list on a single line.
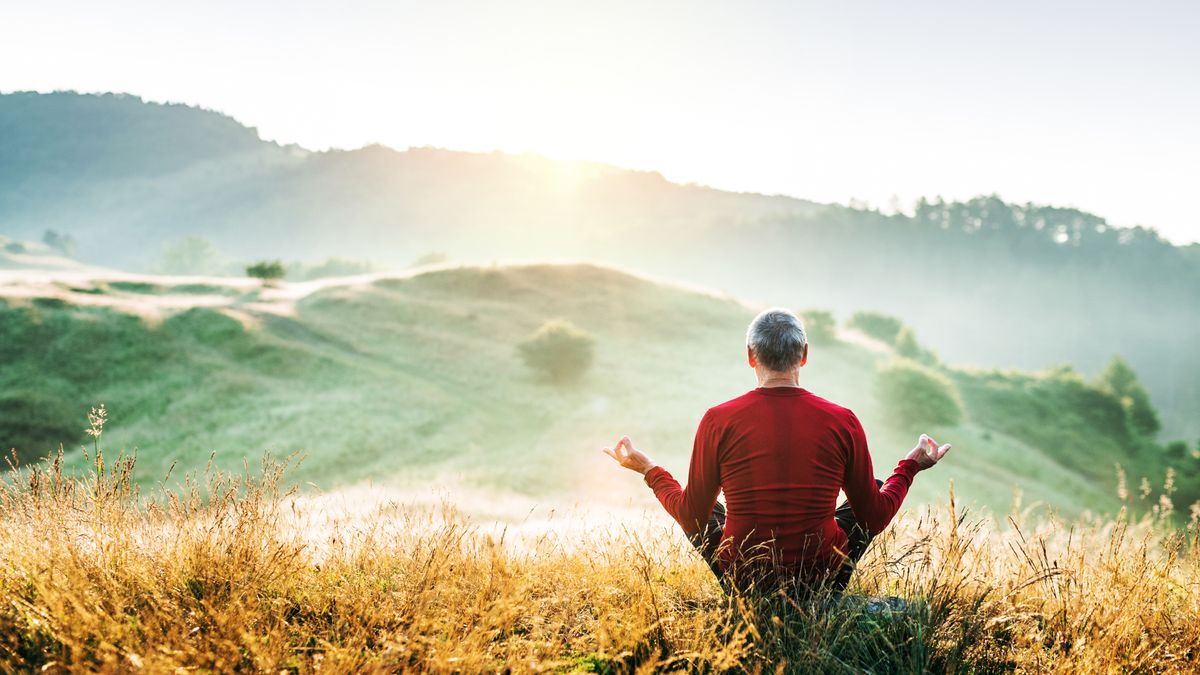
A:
[(415, 382), (136, 287), (150, 288)]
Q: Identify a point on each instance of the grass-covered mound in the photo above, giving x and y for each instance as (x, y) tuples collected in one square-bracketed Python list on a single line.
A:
[(419, 381)]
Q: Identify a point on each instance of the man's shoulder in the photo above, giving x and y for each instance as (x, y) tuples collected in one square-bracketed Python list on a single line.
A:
[(819, 405), (825, 405), (732, 405)]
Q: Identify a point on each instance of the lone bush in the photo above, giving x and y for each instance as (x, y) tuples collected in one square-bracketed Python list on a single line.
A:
[(1121, 380), (558, 351), (916, 396), (267, 270)]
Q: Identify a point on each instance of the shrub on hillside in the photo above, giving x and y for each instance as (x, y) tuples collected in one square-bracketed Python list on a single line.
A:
[(1071, 400), (1120, 379), (879, 326), (915, 396), (267, 270), (558, 351), (819, 326)]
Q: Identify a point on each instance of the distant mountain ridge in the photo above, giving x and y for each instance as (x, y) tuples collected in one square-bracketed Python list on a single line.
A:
[(184, 170), (107, 136), (990, 282)]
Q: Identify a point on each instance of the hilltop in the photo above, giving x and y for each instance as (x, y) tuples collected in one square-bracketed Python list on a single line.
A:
[(34, 257), (412, 380)]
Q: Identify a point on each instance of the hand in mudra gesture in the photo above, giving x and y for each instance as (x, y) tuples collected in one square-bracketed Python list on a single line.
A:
[(630, 457), (927, 453)]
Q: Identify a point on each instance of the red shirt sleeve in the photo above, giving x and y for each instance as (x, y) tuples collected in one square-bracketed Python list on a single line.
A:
[(874, 506), (691, 506)]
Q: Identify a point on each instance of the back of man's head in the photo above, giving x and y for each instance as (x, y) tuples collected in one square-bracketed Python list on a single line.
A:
[(777, 340)]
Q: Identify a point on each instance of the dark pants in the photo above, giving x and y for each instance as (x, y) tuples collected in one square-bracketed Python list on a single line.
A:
[(709, 540)]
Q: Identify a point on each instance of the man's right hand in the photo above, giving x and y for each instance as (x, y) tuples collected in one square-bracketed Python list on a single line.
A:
[(630, 457), (927, 453)]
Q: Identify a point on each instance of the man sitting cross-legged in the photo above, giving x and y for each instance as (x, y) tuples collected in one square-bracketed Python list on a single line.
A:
[(781, 454)]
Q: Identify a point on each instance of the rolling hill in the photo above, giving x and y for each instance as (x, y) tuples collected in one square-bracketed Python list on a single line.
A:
[(412, 381), (989, 282)]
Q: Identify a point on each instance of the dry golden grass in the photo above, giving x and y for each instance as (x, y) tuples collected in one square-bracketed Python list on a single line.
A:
[(228, 574)]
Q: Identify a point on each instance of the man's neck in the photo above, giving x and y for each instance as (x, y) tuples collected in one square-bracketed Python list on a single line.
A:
[(769, 380)]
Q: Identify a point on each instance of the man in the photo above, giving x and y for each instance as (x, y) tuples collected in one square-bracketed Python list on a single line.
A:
[(780, 454)]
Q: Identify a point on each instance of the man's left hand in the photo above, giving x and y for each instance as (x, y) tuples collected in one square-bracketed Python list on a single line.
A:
[(630, 457)]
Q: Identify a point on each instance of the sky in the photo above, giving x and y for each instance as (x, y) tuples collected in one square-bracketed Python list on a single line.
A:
[(1085, 104)]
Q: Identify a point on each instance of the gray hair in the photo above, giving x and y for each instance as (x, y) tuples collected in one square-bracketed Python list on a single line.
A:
[(777, 339)]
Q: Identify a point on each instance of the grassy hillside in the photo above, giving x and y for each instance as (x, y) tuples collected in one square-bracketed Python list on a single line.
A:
[(414, 381)]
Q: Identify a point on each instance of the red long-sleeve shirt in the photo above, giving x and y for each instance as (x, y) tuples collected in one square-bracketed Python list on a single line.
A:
[(781, 454)]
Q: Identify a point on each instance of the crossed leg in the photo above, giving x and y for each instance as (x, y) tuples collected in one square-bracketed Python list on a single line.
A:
[(708, 540)]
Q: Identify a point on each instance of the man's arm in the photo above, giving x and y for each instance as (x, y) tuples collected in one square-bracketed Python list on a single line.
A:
[(874, 506), (692, 505)]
